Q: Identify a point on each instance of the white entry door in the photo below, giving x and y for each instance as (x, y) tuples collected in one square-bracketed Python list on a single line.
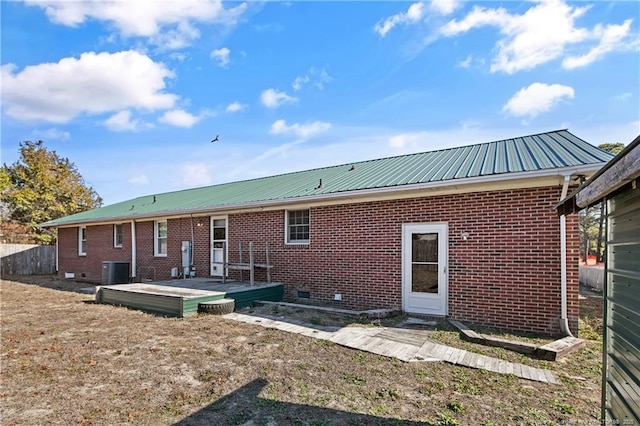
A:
[(218, 244), (424, 268)]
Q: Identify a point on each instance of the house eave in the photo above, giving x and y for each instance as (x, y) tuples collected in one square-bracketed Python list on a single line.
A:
[(616, 173), (464, 185)]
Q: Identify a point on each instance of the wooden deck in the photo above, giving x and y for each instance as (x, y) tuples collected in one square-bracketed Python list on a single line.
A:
[(180, 298), (405, 344)]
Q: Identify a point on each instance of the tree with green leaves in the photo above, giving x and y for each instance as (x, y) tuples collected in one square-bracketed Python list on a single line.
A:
[(43, 186), (592, 219)]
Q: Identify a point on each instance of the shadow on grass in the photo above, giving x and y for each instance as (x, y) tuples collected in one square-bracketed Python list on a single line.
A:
[(245, 406), (52, 282)]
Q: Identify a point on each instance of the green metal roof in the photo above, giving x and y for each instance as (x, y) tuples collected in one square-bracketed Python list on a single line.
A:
[(544, 151)]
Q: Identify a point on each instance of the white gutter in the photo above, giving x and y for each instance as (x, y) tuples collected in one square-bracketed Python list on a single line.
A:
[(133, 249), (564, 321)]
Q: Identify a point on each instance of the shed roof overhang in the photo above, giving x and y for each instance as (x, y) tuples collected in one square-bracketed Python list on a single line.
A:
[(620, 171)]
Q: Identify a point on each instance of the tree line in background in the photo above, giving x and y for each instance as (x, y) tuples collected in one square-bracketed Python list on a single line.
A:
[(592, 222), (39, 187)]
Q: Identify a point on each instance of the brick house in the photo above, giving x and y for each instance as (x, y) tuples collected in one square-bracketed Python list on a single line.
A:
[(469, 232)]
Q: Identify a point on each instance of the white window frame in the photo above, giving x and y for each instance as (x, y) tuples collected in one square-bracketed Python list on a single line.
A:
[(156, 238), (82, 241), (116, 243), (287, 240)]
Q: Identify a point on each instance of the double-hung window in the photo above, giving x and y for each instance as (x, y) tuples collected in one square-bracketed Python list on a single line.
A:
[(297, 226), (82, 241), (160, 238), (117, 235)]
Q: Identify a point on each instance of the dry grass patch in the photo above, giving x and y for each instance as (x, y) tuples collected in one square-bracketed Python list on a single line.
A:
[(68, 361)]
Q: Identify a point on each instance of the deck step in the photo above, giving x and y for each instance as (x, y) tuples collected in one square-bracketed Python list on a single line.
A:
[(560, 348), (550, 352), (217, 307)]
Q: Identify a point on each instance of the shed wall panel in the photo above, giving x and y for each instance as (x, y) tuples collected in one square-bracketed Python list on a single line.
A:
[(622, 294)]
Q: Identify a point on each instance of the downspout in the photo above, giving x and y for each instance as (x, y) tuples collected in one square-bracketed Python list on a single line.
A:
[(564, 321), (57, 251), (193, 251), (133, 249)]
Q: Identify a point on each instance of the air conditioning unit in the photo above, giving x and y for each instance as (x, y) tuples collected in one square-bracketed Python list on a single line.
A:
[(115, 272)]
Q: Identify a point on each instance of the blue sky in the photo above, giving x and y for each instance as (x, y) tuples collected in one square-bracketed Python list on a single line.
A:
[(134, 92)]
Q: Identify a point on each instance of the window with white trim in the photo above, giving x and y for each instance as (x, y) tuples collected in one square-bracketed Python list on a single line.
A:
[(297, 226), (82, 241), (117, 235), (160, 238)]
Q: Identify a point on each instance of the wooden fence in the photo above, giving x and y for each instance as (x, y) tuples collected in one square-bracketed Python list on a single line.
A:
[(27, 259)]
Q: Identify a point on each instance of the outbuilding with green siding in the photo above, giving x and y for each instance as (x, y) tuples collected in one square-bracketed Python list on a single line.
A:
[(618, 185)]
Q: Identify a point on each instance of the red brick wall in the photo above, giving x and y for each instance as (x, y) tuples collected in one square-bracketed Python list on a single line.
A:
[(149, 267), (178, 230), (506, 274), (99, 248)]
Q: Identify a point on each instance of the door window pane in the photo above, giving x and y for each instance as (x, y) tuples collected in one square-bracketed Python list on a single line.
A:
[(424, 248), (424, 278), (219, 233)]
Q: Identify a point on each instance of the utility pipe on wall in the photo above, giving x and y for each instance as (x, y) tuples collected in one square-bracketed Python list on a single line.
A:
[(133, 249), (564, 321)]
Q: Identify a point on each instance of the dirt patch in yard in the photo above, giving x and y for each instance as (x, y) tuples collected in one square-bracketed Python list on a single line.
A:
[(591, 306), (68, 361)]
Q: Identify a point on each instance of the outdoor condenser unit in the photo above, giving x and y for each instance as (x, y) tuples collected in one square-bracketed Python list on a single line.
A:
[(115, 272)]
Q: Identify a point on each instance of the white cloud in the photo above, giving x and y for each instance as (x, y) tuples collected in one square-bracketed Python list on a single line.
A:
[(94, 83), (194, 174), (537, 98), (533, 38), (403, 140), (235, 107), (541, 34), (140, 179), (166, 23), (303, 131), (271, 98), (466, 63), (611, 37), (299, 81), (222, 56), (122, 122), (178, 56), (316, 77), (444, 7), (179, 118), (52, 133), (412, 15), (624, 96), (465, 133)]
